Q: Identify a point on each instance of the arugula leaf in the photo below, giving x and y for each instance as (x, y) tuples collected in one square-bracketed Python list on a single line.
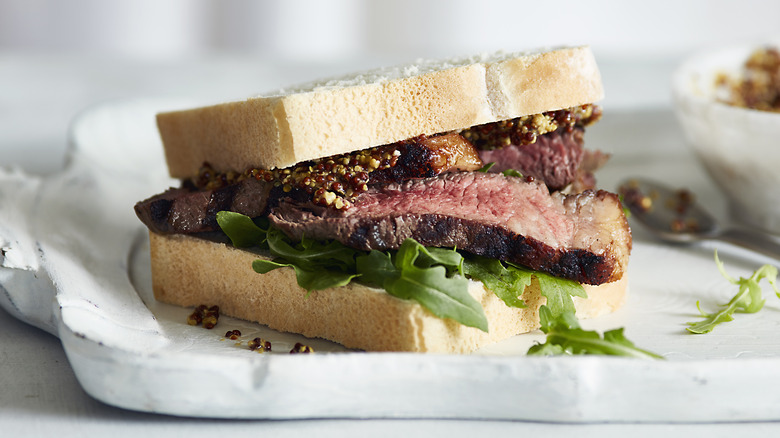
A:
[(565, 336), (309, 279), (309, 253), (546, 349), (422, 275), (427, 275), (747, 300), (558, 292), (507, 282), (509, 172), (376, 268), (317, 265), (430, 256), (486, 167), (241, 230), (445, 297)]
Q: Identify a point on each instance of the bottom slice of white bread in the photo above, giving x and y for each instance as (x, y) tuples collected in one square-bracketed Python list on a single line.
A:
[(189, 271)]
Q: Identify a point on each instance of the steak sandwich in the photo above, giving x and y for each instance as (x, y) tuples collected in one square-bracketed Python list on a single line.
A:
[(428, 207)]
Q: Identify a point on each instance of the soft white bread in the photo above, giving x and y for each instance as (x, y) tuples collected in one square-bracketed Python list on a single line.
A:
[(355, 316), (376, 108)]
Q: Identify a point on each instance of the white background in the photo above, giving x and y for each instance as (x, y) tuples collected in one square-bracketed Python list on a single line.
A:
[(306, 29), (58, 57)]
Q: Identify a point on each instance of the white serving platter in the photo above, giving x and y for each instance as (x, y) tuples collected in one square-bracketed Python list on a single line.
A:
[(74, 262)]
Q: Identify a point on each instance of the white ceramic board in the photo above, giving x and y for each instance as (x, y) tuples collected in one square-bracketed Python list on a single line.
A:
[(74, 262)]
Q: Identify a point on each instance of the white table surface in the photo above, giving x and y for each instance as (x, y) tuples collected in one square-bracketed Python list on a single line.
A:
[(40, 94)]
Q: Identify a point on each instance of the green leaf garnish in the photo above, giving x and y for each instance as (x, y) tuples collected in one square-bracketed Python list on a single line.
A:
[(309, 253), (512, 172), (317, 278), (429, 276), (747, 300), (558, 292), (430, 256), (509, 172), (376, 268), (507, 282), (486, 167), (565, 336), (446, 296), (241, 230)]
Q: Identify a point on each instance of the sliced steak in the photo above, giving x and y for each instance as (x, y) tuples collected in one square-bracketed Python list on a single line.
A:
[(554, 158), (184, 210), (582, 237)]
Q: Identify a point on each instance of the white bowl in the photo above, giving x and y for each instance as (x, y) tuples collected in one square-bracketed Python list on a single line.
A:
[(739, 148)]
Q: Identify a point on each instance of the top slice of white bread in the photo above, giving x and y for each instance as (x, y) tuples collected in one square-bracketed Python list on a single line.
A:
[(375, 108)]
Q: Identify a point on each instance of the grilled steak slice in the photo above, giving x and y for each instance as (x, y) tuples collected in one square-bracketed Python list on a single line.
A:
[(582, 237), (185, 210), (554, 158)]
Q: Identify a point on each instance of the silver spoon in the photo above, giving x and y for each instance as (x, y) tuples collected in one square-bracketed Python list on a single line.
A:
[(674, 216)]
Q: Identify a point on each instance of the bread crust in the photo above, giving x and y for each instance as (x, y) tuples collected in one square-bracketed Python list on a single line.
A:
[(189, 271), (371, 110)]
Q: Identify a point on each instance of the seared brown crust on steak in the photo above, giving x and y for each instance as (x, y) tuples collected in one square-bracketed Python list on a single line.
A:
[(582, 237), (424, 156), (186, 211)]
